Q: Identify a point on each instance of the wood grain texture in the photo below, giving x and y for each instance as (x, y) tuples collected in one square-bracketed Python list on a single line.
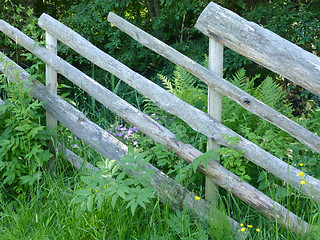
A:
[(195, 118), (51, 77), (214, 108), (261, 46), (107, 145), (219, 84), (110, 147)]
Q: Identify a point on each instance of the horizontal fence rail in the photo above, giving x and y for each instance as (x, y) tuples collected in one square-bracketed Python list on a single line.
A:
[(157, 132), (197, 119), (219, 84), (261, 46), (110, 147)]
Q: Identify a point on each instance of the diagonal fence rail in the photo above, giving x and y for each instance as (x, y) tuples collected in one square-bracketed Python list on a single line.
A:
[(194, 117), (198, 120), (157, 132), (110, 147)]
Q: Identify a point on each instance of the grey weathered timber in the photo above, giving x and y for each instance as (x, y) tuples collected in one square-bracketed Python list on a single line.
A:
[(109, 146), (214, 107), (261, 46), (219, 84), (51, 77), (197, 119)]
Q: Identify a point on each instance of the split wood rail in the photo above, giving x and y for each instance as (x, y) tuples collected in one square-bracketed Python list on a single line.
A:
[(201, 122)]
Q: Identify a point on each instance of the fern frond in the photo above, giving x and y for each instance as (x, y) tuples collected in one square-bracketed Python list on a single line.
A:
[(150, 107), (239, 79), (167, 83), (269, 92), (186, 79)]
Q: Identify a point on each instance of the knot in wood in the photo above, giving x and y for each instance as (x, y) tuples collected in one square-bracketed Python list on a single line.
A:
[(246, 101)]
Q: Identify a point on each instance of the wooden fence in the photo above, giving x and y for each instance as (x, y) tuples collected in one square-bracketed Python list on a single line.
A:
[(201, 122)]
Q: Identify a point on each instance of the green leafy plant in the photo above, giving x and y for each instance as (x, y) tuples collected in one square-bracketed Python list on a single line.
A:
[(188, 88), (111, 183), (232, 159), (23, 154)]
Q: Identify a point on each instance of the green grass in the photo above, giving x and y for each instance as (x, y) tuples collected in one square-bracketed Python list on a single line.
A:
[(47, 213)]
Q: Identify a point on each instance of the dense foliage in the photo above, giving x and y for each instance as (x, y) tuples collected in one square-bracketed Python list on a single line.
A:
[(23, 153), (106, 194)]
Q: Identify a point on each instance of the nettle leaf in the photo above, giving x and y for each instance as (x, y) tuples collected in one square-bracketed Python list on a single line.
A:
[(44, 156), (34, 131), (122, 190), (78, 199), (83, 192), (9, 176), (133, 205), (115, 169), (99, 200), (87, 179), (90, 203), (114, 200), (23, 128), (145, 161), (30, 179), (204, 159), (83, 206), (121, 176), (3, 165)]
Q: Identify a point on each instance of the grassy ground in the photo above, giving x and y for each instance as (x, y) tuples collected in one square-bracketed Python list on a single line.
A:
[(47, 213)]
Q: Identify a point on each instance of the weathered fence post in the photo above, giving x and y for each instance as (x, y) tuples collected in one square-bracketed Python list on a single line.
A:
[(51, 77), (214, 108), (51, 83)]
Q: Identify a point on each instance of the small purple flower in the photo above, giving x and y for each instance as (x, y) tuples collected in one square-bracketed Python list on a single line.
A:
[(153, 114), (119, 128), (135, 129), (125, 137), (75, 145), (156, 118), (135, 143), (110, 131), (171, 119), (129, 132), (120, 134)]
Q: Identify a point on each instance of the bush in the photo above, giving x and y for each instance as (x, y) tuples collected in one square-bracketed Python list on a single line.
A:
[(23, 154)]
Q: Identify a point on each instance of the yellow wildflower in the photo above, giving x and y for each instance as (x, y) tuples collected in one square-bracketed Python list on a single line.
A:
[(241, 224), (258, 230), (104, 186), (301, 164), (300, 174), (243, 229), (303, 182), (197, 198), (250, 226)]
